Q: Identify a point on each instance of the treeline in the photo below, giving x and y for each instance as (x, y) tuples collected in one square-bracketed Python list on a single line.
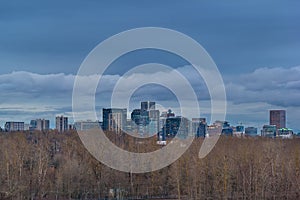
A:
[(47, 165)]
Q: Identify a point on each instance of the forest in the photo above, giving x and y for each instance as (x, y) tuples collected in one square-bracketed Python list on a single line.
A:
[(49, 165)]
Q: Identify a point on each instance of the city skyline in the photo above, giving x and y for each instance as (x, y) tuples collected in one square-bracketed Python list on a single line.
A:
[(116, 119), (149, 99), (255, 45)]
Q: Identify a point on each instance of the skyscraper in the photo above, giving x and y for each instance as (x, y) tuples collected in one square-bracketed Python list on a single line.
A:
[(114, 119), (153, 121), (146, 119), (148, 105), (61, 123), (176, 126), (278, 118)]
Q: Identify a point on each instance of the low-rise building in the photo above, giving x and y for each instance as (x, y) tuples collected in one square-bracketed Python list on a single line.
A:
[(251, 131), (285, 133), (269, 131), (86, 125), (14, 126)]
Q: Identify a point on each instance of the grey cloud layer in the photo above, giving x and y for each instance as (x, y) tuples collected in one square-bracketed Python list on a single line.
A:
[(33, 95), (277, 86)]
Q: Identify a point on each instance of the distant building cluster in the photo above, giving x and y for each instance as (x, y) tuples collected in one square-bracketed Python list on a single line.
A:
[(277, 126), (147, 121), (38, 125)]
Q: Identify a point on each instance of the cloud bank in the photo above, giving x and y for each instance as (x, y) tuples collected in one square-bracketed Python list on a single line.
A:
[(26, 95)]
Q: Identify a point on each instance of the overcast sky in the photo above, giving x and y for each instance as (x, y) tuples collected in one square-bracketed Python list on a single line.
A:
[(255, 44)]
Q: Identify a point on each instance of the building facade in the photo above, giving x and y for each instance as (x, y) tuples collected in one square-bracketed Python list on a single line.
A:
[(86, 125), (278, 118), (61, 123), (251, 131), (269, 131), (146, 120), (114, 119), (153, 121), (147, 105), (199, 127), (14, 126), (176, 126), (39, 125)]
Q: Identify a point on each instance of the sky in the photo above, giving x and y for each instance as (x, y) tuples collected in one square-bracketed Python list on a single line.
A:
[(256, 46)]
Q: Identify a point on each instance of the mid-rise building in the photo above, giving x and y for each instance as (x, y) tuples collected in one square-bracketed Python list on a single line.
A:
[(226, 129), (139, 117), (26, 127), (239, 130), (14, 126), (114, 119), (61, 123), (86, 125), (215, 128), (153, 121), (129, 127), (146, 120), (39, 125), (278, 118), (179, 126), (199, 127), (148, 105), (285, 133), (251, 131), (164, 115), (269, 131)]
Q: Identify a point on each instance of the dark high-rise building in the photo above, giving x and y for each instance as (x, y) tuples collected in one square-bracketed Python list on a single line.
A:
[(278, 118), (170, 113), (199, 127), (61, 123), (140, 117), (146, 119), (148, 105), (176, 126), (114, 119)]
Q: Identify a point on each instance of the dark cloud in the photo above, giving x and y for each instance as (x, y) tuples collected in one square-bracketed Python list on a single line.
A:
[(54, 36), (276, 86), (31, 95)]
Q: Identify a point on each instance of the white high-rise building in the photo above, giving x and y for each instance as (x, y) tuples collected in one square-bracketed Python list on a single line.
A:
[(114, 119), (61, 123), (40, 124)]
